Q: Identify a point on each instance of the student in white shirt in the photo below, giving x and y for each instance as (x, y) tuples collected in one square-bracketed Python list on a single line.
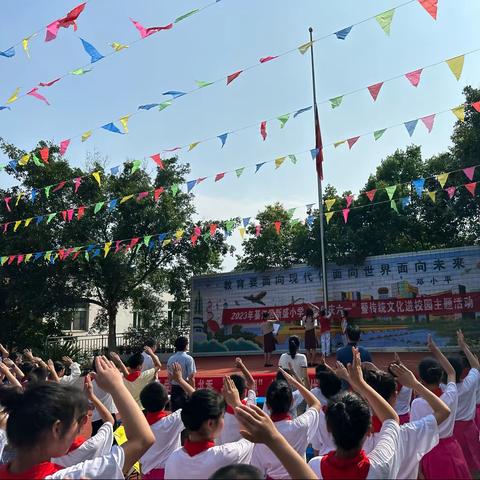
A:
[(202, 416), (246, 390), (75, 371), (297, 399), (147, 359), (293, 360), (166, 427), (348, 419), (446, 460), (45, 418)]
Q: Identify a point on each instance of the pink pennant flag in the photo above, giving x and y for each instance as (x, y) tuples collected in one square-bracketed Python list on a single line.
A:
[(157, 193), (349, 199), (197, 231), (352, 141), (7, 203), (80, 212), (59, 186), (345, 211), (476, 106), (156, 158), (371, 194), (146, 32), (63, 146), (173, 149), (34, 93), (194, 239), (213, 229), (52, 31), (451, 191), (19, 259), (61, 254), (414, 77), (5, 226), (77, 182), (118, 244), (431, 6), (70, 214), (11, 259), (64, 215), (219, 176), (258, 230), (233, 76), (142, 195), (263, 130), (49, 84), (200, 180), (132, 243), (375, 90), (428, 121), (471, 187), (68, 252), (44, 153), (277, 227), (469, 172), (267, 59)]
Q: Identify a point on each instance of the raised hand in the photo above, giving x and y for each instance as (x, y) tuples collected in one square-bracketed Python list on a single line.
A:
[(67, 360), (238, 362), (230, 392), (460, 339), (341, 372), (88, 387), (176, 372), (256, 425), (355, 369), (115, 356), (404, 376), (28, 355), (107, 377)]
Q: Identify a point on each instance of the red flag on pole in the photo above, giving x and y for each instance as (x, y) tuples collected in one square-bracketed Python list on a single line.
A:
[(319, 145)]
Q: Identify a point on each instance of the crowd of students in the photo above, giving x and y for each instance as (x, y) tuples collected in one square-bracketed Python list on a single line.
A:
[(362, 422)]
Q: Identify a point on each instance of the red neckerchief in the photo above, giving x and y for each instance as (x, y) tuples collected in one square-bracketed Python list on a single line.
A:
[(154, 417), (132, 376), (376, 424), (334, 468), (231, 411), (194, 448), (437, 391), (37, 472), (77, 441), (278, 417)]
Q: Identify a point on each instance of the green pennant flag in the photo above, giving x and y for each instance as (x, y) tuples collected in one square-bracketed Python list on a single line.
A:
[(138, 247), (47, 255), (293, 158), (239, 171), (50, 217), (206, 235), (283, 119), (390, 191), (229, 225), (146, 240), (174, 189), (98, 207), (80, 71), (379, 133), (385, 20), (201, 84), (47, 190), (393, 204), (87, 256), (37, 161), (3, 260), (186, 15), (336, 102), (136, 165), (164, 105)]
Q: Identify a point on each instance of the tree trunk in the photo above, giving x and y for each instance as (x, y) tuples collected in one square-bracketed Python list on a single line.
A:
[(112, 328)]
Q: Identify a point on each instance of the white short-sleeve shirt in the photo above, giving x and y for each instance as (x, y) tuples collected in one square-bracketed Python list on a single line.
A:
[(320, 396), (322, 440), (104, 398), (297, 400), (384, 459), (404, 398), (467, 396), (299, 363), (167, 433), (298, 433), (147, 362), (139, 384), (75, 373), (181, 465), (421, 408)]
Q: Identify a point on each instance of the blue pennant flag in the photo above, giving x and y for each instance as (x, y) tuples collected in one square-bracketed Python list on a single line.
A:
[(52, 258), (410, 126), (258, 166), (405, 201), (162, 237), (112, 204), (223, 138), (174, 93), (314, 153), (190, 185), (90, 248), (148, 106), (342, 34), (302, 110), (33, 195), (5, 108), (37, 256), (246, 221), (418, 186), (9, 53), (39, 219), (96, 253), (95, 55), (115, 170), (111, 127), (310, 219), (151, 245), (13, 164)]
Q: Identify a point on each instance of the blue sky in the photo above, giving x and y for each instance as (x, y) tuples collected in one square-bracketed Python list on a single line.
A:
[(217, 42)]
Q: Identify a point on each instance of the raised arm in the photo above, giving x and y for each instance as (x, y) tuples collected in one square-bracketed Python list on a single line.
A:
[(102, 410), (3, 351), (442, 360), (472, 359), (12, 380), (12, 365), (51, 369), (313, 306), (118, 363), (157, 364), (176, 375), (309, 397), (246, 373)]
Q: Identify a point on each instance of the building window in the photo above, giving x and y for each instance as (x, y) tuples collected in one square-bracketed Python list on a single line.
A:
[(77, 319), (179, 317)]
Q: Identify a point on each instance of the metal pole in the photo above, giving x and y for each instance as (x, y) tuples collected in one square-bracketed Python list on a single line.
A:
[(319, 180)]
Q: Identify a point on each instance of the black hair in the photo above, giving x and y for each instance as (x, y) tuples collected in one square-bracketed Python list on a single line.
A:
[(14, 356), (181, 344), (323, 312), (348, 419), (150, 342), (239, 471), (154, 397), (38, 374), (329, 384), (430, 371), (319, 369), (457, 364), (293, 345), (382, 382), (309, 312), (135, 361), (59, 366), (353, 333), (32, 412), (279, 397), (239, 382), (345, 313), (279, 375), (203, 405), (27, 367)]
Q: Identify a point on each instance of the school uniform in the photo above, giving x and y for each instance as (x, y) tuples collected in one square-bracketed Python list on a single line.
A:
[(319, 395), (446, 460), (167, 429), (297, 400), (231, 427), (299, 363), (310, 334), (382, 462), (107, 400), (75, 373), (402, 407), (322, 440), (137, 381), (200, 460), (298, 433)]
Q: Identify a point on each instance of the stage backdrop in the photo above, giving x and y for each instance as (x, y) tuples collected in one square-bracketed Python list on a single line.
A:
[(395, 299)]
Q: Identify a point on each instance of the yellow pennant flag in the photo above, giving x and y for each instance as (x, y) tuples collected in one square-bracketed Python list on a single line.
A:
[(126, 198), (19, 196), (459, 112), (124, 122), (96, 176), (27, 221), (337, 144), (25, 43), (24, 160), (166, 242), (329, 203), (118, 46), (121, 438), (17, 224), (13, 96), (432, 196), (304, 48), (107, 247), (456, 65), (86, 135), (242, 232), (442, 179), (329, 216), (28, 256), (3, 260), (279, 161), (192, 146), (179, 234)]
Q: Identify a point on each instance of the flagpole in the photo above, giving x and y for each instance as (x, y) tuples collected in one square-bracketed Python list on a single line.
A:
[(319, 145)]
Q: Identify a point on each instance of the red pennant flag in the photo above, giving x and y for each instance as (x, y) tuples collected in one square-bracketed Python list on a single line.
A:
[(157, 193), (7, 203), (431, 6), (156, 158), (118, 245), (194, 239), (197, 231), (471, 187), (213, 229), (63, 146), (277, 227), (349, 199), (352, 141), (5, 226), (64, 215), (267, 59), (375, 90), (451, 191), (414, 77), (200, 180), (76, 254), (233, 76), (318, 145), (49, 84), (263, 130), (77, 182), (68, 252), (371, 194), (59, 186), (80, 212), (44, 153), (476, 106), (11, 259), (61, 253), (258, 229), (469, 172), (71, 17), (133, 242), (345, 211), (219, 176), (70, 214)]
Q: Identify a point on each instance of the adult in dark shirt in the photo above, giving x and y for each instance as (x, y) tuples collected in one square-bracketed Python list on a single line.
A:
[(345, 355)]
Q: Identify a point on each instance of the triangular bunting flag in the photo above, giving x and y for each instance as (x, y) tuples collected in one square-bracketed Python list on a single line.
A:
[(258, 166), (223, 138), (391, 191), (432, 195), (242, 232), (44, 153), (263, 130), (186, 15), (352, 141), (126, 198), (345, 211), (24, 159), (456, 65), (233, 76), (393, 205), (80, 71), (430, 6), (375, 90), (349, 199), (98, 207), (118, 46), (192, 146), (459, 112), (239, 171), (329, 203), (174, 189), (213, 229), (342, 34), (379, 133), (328, 216), (278, 226), (34, 93), (9, 53), (156, 158), (414, 77), (293, 159), (428, 121), (451, 191), (471, 187), (314, 153), (124, 122), (385, 20), (267, 59), (63, 146), (174, 93), (336, 102), (111, 127), (86, 135), (37, 161), (164, 105), (96, 176), (418, 186), (279, 161), (302, 110), (13, 96), (94, 54), (283, 119), (246, 221), (304, 48), (157, 192), (219, 176), (469, 172), (476, 106), (442, 179), (202, 84), (136, 165), (112, 204), (410, 126)]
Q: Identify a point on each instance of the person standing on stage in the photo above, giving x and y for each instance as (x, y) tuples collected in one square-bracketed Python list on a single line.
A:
[(344, 325), (269, 339), (309, 321), (325, 327)]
